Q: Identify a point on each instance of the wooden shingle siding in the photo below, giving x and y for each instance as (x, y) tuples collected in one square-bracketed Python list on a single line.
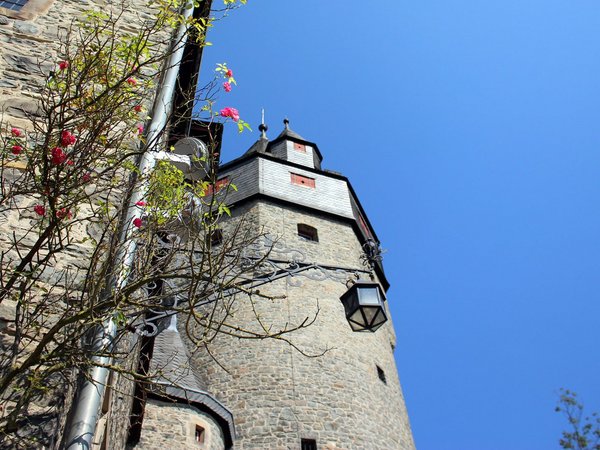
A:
[(329, 195), (304, 158), (245, 178), (279, 149)]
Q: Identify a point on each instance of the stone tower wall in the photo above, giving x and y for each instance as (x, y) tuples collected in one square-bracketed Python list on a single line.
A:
[(173, 426), (278, 395)]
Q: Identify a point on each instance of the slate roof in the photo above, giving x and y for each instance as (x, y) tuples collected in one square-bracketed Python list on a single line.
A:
[(259, 146), (289, 133), (176, 380)]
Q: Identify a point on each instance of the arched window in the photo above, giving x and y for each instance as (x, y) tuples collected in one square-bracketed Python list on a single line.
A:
[(307, 232)]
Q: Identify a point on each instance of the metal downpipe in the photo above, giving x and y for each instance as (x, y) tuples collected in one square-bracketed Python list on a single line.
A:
[(84, 414)]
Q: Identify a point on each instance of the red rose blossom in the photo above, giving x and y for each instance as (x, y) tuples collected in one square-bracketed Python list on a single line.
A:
[(131, 81), (58, 156), (141, 203), (229, 73), (64, 212), (137, 222), (39, 210), (15, 132), (137, 108), (67, 138), (62, 65), (16, 149), (86, 178)]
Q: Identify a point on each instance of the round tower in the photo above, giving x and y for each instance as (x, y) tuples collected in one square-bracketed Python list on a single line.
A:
[(323, 386)]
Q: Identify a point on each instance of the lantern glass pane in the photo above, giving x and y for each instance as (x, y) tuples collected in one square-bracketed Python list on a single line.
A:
[(376, 327), (379, 319), (370, 313), (369, 295), (357, 317), (356, 327)]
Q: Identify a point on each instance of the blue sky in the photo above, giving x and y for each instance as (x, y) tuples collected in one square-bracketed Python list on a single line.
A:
[(469, 130)]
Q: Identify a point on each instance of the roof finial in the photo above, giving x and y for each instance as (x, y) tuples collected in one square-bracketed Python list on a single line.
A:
[(263, 127), (286, 123)]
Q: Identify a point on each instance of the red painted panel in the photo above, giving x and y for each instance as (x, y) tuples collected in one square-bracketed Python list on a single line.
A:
[(302, 180), (300, 147)]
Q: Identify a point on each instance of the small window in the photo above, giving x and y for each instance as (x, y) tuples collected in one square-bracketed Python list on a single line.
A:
[(301, 180), (307, 232), (200, 434), (214, 238), (15, 5), (24, 9), (300, 147), (308, 444), (381, 374), (219, 185)]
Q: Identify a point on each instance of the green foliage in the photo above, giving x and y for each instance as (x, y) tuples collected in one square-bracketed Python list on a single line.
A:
[(584, 431), (167, 192)]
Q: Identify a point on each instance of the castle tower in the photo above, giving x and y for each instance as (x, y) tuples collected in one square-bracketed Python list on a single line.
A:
[(322, 386)]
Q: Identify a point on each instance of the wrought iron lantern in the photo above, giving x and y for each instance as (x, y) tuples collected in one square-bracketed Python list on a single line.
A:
[(364, 306)]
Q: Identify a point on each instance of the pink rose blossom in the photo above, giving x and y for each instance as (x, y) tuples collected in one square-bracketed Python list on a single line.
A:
[(39, 210), (67, 138), (137, 222), (64, 212), (132, 81), (140, 128), (229, 73), (16, 149), (141, 203), (15, 132), (230, 112), (62, 65), (227, 86), (58, 156)]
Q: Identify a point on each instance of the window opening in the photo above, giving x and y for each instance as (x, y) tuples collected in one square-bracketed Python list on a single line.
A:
[(200, 434), (214, 238), (307, 232), (219, 185), (381, 374), (308, 444), (13, 5)]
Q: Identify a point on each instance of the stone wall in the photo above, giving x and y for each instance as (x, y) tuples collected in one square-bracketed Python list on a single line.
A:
[(172, 426), (277, 394), (30, 44), (29, 49)]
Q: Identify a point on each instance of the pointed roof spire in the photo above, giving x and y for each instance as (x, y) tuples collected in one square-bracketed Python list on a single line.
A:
[(260, 146), (263, 127), (288, 132)]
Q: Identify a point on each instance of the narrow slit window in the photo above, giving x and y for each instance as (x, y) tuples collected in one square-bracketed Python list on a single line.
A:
[(200, 434), (307, 232), (308, 444), (301, 180), (381, 374)]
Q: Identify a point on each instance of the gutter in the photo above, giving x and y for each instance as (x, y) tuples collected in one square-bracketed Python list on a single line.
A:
[(84, 413)]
